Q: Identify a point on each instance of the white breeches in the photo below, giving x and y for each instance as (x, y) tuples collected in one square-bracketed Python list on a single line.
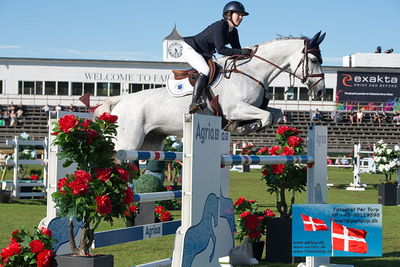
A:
[(195, 60)]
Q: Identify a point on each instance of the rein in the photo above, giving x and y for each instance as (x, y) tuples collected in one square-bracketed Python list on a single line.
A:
[(230, 66)]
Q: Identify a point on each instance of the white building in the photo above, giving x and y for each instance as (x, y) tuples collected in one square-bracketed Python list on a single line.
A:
[(38, 81)]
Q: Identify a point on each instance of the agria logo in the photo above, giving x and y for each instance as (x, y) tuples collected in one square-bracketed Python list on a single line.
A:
[(347, 78)]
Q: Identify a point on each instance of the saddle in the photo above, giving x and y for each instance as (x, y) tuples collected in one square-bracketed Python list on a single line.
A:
[(192, 74)]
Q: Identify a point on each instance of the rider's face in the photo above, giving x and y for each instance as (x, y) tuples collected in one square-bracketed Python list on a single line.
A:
[(237, 18)]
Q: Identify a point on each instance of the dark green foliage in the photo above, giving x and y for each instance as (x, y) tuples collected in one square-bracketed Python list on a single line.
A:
[(148, 183)]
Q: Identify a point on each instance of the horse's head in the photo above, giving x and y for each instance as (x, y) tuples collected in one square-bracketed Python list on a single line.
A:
[(306, 65)]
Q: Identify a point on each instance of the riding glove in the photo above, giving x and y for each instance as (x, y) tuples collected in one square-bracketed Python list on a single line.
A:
[(246, 51)]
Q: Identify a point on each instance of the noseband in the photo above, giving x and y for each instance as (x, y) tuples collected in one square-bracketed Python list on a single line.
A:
[(230, 66)]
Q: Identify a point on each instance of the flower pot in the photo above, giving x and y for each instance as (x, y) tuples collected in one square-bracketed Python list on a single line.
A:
[(387, 194), (258, 248), (279, 240), (5, 196), (130, 222), (81, 261)]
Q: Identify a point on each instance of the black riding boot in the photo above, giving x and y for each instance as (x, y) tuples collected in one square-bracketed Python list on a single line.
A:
[(198, 89)]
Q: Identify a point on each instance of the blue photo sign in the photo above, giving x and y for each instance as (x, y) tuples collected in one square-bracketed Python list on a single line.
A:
[(322, 230)]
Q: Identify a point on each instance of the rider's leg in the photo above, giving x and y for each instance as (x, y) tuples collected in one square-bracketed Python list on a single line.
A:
[(198, 62), (198, 89)]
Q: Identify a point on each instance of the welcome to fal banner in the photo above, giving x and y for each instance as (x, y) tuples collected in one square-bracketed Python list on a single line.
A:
[(367, 86)]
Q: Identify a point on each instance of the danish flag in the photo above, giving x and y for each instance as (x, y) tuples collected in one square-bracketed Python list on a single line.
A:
[(312, 224), (348, 239)]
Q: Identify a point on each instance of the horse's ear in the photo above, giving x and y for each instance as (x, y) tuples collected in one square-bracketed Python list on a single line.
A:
[(321, 38), (313, 41)]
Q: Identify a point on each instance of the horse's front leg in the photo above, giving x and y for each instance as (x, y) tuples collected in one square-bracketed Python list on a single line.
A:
[(214, 240), (247, 112)]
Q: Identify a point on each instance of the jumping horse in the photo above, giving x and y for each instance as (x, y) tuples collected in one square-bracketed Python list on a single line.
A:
[(147, 117)]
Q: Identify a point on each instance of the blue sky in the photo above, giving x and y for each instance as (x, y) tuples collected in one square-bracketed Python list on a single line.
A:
[(134, 30)]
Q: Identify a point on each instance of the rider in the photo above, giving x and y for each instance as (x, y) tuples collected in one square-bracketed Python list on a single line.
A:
[(201, 47)]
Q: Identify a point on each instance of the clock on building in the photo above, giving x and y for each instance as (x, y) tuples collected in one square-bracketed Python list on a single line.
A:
[(175, 50)]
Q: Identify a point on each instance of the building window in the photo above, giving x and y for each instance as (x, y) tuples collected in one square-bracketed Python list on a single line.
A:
[(28, 88), (88, 88), (135, 87), (279, 93), (304, 94), (159, 85), (146, 86), (62, 88), (102, 89), (292, 93), (39, 88), (328, 94), (115, 89), (76, 88), (49, 88), (1, 87)]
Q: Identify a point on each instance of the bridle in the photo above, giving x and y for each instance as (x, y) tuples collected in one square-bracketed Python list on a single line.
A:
[(231, 66)]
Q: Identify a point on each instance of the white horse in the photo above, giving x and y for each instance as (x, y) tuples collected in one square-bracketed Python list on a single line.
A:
[(147, 117)]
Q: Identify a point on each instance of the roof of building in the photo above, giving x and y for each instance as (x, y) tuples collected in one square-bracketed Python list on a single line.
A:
[(174, 35)]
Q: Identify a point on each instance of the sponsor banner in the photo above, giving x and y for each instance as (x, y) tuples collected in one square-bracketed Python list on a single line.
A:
[(337, 230), (367, 86)]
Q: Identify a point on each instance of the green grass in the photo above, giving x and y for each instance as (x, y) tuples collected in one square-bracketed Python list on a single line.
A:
[(249, 185)]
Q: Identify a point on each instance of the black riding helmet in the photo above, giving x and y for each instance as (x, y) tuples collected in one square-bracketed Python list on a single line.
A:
[(234, 6)]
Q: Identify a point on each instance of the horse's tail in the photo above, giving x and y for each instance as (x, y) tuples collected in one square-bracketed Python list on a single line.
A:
[(107, 106)]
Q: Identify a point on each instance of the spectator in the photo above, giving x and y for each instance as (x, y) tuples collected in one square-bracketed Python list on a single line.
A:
[(333, 115), (58, 108), (10, 107), (13, 119), (396, 118), (20, 110), (383, 116), (286, 117), (46, 109), (317, 115), (345, 161), (71, 108), (352, 116), (377, 117), (360, 116)]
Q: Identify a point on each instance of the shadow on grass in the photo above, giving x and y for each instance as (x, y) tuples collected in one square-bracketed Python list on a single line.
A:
[(28, 201), (387, 260)]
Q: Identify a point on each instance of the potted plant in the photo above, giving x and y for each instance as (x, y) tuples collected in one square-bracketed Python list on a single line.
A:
[(387, 161), (98, 190), (26, 249), (252, 224), (131, 214), (281, 180)]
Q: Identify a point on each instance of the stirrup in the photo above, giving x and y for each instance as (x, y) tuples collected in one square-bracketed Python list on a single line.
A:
[(197, 107)]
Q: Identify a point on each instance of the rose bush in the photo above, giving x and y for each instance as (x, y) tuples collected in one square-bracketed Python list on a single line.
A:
[(162, 215), (26, 249), (98, 190), (281, 178), (252, 223)]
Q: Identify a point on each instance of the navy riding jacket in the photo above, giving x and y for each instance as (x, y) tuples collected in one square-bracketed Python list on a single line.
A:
[(214, 39)]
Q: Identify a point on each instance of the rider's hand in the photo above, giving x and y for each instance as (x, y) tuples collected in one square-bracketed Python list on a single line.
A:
[(246, 51)]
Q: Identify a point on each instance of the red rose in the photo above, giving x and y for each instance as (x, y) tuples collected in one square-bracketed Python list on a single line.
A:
[(282, 130), (133, 209), (254, 235), (108, 117), (103, 174), (287, 151), (86, 123), (82, 175), (251, 222), (12, 240), (15, 233), (128, 196), (274, 150), (34, 177), (263, 151), (91, 134), (244, 214), (11, 250), (264, 172), (278, 168), (159, 209), (36, 246), (79, 187), (67, 123), (103, 204), (269, 213), (44, 258), (251, 201), (165, 216), (122, 173), (239, 201), (46, 231), (127, 213), (295, 141), (169, 188), (61, 183), (54, 133)]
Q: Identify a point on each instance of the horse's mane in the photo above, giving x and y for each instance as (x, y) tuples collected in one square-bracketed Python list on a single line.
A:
[(283, 38)]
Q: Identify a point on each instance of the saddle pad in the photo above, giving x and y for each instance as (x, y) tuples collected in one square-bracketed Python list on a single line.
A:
[(180, 88)]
